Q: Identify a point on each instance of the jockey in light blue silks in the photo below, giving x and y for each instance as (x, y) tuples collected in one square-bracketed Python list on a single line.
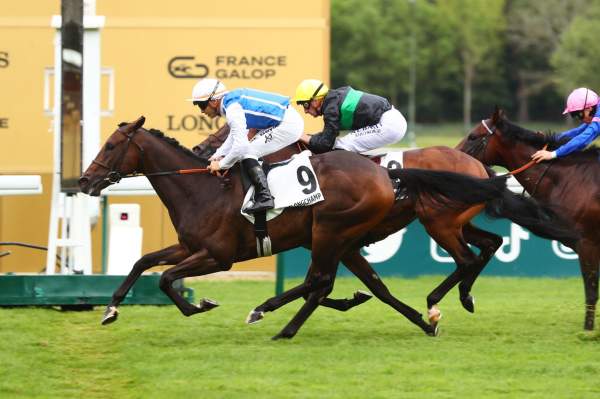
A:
[(278, 125), (582, 104)]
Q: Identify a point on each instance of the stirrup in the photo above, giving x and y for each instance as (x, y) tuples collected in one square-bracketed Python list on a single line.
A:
[(260, 206)]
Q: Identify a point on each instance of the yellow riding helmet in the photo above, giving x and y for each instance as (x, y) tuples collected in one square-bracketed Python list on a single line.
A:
[(310, 89)]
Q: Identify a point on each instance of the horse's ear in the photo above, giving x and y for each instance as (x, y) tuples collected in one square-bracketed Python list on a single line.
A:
[(139, 123), (498, 114)]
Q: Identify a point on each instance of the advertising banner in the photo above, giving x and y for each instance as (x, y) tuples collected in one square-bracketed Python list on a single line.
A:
[(411, 252)]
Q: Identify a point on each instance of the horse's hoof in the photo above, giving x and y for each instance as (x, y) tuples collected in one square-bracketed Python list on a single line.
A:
[(361, 296), (434, 315), (254, 317), (206, 304), (110, 315), (283, 335), (468, 303), (434, 332)]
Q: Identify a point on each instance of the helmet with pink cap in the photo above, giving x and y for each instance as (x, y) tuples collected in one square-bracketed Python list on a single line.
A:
[(580, 99)]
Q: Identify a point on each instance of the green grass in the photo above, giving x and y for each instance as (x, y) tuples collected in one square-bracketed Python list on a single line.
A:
[(525, 340)]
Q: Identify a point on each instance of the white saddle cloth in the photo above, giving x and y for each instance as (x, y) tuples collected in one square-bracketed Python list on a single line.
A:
[(294, 184)]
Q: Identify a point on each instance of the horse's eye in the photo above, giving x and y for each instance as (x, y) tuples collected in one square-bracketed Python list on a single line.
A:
[(109, 146), (472, 136)]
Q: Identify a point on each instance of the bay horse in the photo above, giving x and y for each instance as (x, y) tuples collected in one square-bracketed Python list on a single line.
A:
[(449, 227), (213, 234), (570, 184)]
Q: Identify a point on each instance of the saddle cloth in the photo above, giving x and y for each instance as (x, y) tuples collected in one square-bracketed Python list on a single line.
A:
[(393, 160), (292, 183)]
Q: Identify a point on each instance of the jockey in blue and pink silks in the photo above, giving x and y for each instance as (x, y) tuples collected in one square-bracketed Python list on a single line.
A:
[(582, 104)]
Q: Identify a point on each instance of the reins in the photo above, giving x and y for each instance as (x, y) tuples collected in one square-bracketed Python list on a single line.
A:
[(526, 166), (175, 172), (114, 176)]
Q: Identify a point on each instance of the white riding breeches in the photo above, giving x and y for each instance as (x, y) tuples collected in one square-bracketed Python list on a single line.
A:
[(269, 140), (390, 129)]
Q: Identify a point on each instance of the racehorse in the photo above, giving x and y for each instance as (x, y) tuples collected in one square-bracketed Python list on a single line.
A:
[(570, 184), (213, 234), (449, 227)]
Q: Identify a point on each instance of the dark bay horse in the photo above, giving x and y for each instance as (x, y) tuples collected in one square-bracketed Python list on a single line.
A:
[(570, 184), (213, 234), (449, 227)]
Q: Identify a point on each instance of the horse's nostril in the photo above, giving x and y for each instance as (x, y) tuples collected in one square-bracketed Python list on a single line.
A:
[(83, 180)]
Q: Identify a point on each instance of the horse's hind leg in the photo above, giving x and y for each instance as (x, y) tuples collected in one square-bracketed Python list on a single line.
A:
[(488, 243), (310, 284), (589, 257), (325, 284), (166, 256), (198, 264), (345, 304), (358, 265)]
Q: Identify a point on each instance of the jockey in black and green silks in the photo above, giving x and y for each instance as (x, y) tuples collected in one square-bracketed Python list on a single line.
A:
[(371, 120)]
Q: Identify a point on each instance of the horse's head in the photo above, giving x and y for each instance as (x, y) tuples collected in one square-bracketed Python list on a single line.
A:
[(119, 156), (485, 141)]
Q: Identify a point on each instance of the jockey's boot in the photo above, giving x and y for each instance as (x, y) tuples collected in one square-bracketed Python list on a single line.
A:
[(263, 200)]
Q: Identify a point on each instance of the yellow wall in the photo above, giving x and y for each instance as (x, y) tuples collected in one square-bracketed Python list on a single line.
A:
[(139, 42)]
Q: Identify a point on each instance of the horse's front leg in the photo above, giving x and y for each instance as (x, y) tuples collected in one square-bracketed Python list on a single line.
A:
[(589, 258), (449, 238), (488, 243), (166, 256), (198, 264)]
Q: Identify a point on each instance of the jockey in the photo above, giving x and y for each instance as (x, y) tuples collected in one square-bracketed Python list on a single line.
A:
[(583, 105), (278, 125), (373, 122)]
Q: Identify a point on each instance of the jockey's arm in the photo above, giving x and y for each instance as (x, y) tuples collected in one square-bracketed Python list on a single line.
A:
[(572, 132), (224, 148), (324, 141), (238, 136), (579, 142)]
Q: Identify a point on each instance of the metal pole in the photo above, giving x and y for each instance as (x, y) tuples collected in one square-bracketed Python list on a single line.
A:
[(280, 275), (104, 233), (412, 94)]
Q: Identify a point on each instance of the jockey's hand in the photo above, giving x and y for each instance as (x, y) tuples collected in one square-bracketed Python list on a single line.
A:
[(216, 158), (214, 167), (542, 155)]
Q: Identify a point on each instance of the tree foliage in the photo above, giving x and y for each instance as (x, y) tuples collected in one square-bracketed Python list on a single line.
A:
[(470, 54), (577, 57)]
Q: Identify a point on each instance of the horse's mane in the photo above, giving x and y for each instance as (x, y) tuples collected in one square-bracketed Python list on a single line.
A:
[(518, 133), (174, 143)]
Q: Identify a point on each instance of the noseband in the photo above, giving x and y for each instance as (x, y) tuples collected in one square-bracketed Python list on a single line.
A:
[(114, 175)]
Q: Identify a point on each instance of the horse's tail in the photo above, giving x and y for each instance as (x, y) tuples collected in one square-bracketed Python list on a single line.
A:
[(540, 219), (448, 189)]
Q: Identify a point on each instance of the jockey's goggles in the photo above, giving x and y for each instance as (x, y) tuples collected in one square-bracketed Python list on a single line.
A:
[(306, 103), (577, 114), (201, 104)]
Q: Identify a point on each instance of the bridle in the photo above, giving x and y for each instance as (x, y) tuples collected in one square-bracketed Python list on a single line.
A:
[(484, 143), (114, 175)]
